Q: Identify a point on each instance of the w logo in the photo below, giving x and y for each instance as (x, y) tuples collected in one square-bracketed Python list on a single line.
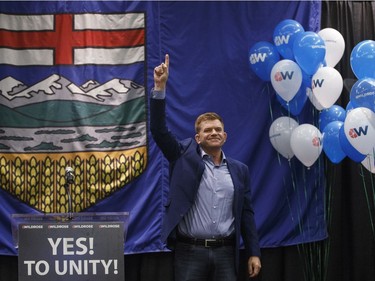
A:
[(255, 58), (281, 76), (354, 132), (317, 83), (279, 40)]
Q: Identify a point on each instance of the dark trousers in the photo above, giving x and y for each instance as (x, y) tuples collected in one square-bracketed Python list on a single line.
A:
[(198, 263)]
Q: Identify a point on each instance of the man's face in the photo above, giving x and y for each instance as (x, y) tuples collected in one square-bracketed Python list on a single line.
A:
[(211, 134)]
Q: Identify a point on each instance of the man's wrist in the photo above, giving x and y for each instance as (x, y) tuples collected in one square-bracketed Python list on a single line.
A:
[(159, 88), (157, 94)]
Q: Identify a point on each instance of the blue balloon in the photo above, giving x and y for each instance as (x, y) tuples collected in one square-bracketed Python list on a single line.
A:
[(283, 37), (349, 107), (349, 150), (295, 105), (362, 93), (331, 142), (309, 51), (362, 59), (262, 57), (334, 113)]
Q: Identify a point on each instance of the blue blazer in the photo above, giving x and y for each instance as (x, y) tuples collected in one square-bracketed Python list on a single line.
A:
[(185, 171)]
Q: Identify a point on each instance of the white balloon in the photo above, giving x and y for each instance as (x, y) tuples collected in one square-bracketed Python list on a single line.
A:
[(306, 143), (369, 161), (280, 131), (335, 45), (286, 79), (313, 100), (327, 85), (359, 128)]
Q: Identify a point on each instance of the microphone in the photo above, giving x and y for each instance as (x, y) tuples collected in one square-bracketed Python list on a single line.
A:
[(69, 179), (69, 175)]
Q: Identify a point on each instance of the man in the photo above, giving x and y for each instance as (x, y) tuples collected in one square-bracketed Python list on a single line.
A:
[(209, 207)]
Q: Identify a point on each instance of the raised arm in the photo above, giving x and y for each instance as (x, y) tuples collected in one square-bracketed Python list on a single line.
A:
[(165, 140)]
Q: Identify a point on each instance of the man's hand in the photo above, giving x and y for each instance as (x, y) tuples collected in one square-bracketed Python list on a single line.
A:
[(254, 266), (161, 73)]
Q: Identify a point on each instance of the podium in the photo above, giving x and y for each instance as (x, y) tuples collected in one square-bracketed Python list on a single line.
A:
[(78, 246)]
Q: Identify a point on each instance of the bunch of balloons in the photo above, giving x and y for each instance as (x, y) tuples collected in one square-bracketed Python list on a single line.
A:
[(289, 139), (361, 106), (300, 66), (341, 133)]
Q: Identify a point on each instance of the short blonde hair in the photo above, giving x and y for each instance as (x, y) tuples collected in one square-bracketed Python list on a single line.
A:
[(205, 117)]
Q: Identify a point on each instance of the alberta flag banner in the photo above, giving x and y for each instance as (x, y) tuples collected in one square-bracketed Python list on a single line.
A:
[(75, 77), (73, 94), (98, 127)]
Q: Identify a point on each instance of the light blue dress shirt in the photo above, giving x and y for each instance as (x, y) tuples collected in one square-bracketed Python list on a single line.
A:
[(211, 215)]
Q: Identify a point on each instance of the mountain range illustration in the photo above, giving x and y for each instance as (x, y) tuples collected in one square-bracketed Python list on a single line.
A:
[(14, 93), (58, 101)]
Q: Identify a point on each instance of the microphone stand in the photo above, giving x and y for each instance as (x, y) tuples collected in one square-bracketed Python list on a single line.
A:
[(69, 180)]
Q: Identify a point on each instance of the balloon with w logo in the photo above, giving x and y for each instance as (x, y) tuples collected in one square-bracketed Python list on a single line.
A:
[(348, 149), (284, 35), (359, 128), (262, 57), (286, 79), (327, 85)]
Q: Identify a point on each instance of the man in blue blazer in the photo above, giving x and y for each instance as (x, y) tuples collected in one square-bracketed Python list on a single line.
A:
[(209, 207)]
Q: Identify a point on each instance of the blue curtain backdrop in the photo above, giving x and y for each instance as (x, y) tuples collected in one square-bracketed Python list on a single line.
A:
[(208, 44)]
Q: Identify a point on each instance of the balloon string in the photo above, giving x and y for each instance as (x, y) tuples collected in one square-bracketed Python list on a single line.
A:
[(288, 105), (324, 247), (301, 248), (371, 167), (294, 186), (266, 89), (287, 194), (330, 180), (367, 197), (314, 255)]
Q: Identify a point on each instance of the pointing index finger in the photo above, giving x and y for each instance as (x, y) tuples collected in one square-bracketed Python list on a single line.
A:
[(167, 60)]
